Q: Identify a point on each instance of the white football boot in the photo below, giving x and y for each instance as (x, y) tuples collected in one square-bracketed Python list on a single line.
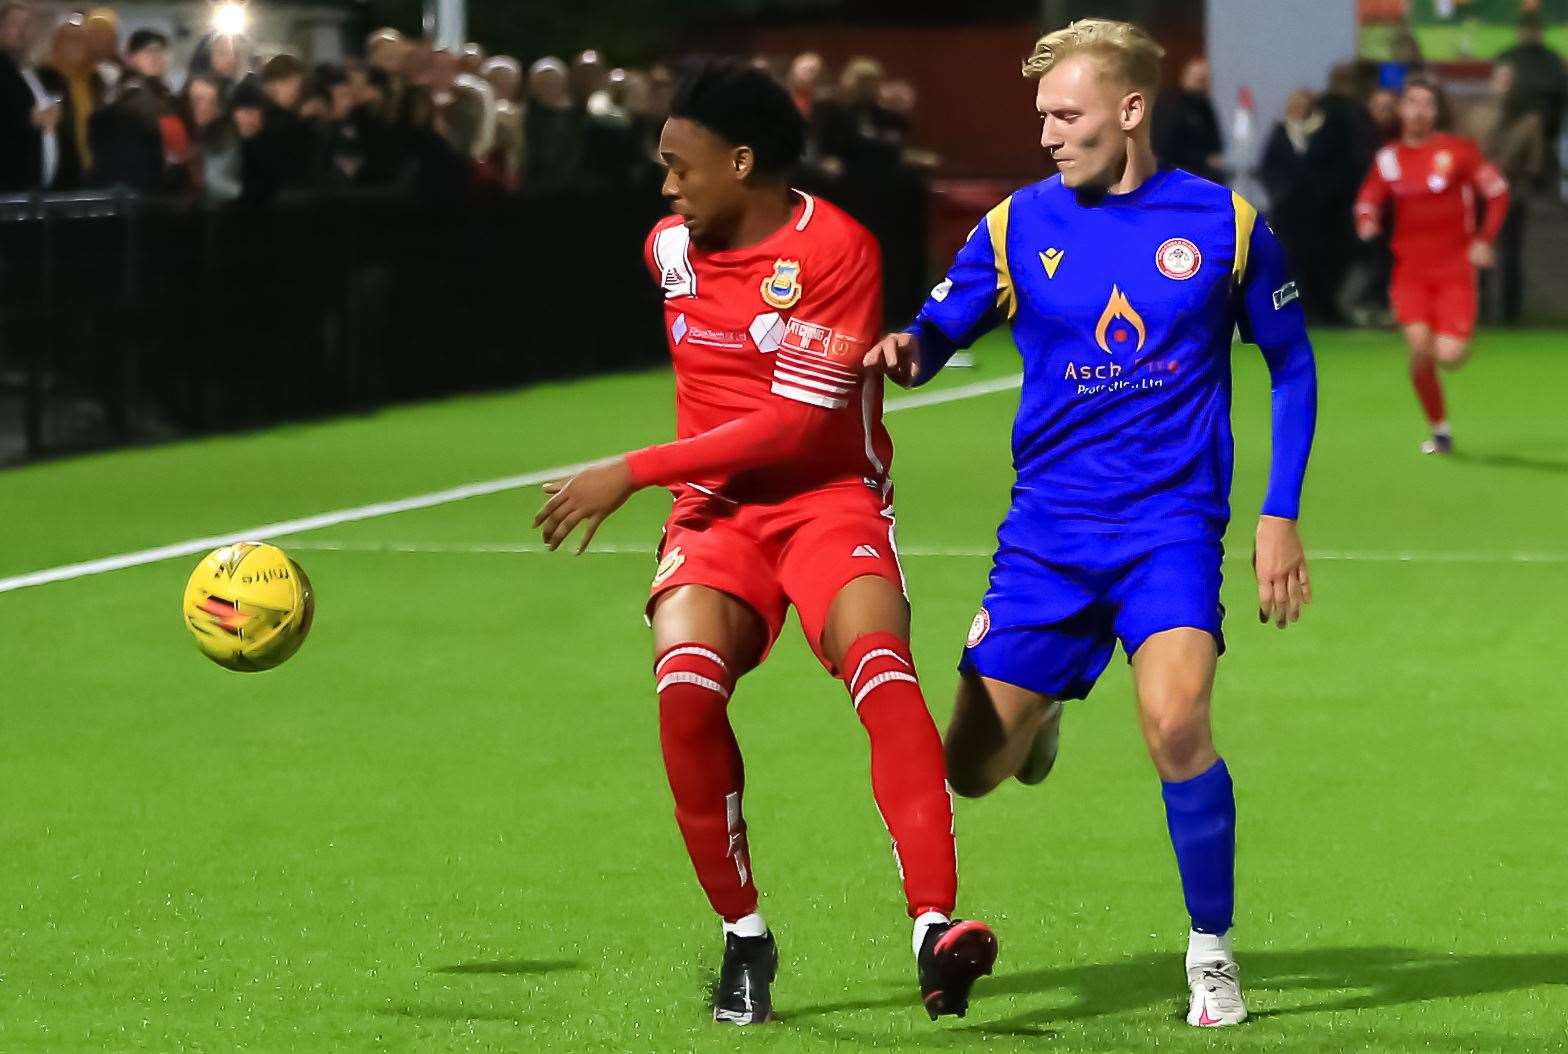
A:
[(1215, 980)]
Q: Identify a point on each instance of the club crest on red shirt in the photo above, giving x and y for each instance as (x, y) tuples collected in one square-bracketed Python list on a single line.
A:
[(781, 289)]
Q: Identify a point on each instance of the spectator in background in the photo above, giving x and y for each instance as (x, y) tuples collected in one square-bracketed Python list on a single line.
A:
[(1538, 84), (223, 56), (1405, 49), (805, 82), (1296, 202), (444, 68), (279, 151), (467, 123), (1186, 128), (852, 127), (416, 68), (588, 76), (612, 139), (30, 114), (345, 148), (103, 46), (506, 81), (1337, 159), (137, 139), (898, 100), (553, 129), (656, 109), (288, 134), (661, 90), (80, 89), (385, 50), (1511, 135), (1383, 105), (214, 160), (471, 59), (372, 100)]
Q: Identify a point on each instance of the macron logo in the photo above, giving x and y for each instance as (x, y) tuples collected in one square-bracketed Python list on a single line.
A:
[(865, 551)]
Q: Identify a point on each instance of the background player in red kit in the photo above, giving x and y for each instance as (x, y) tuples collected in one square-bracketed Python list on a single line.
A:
[(782, 496), (1432, 178)]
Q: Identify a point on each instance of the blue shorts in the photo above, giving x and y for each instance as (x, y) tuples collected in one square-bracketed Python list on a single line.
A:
[(1051, 628)]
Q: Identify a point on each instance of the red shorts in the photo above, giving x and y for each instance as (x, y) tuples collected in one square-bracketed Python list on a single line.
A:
[(801, 551), (1444, 300)]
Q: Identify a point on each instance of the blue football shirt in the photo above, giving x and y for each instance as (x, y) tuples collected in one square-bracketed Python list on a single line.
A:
[(1123, 309)]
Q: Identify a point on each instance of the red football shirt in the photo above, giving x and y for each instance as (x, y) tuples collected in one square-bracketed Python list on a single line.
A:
[(767, 342), (1433, 188)]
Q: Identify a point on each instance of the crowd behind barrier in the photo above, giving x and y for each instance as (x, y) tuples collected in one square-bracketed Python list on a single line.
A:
[(277, 241)]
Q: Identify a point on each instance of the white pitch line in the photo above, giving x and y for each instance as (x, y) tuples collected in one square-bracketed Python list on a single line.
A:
[(959, 552), (284, 528)]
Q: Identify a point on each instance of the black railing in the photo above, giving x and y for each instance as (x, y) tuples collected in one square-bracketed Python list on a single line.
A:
[(127, 320)]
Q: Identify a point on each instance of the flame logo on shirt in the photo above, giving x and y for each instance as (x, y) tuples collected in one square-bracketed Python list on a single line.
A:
[(1117, 322)]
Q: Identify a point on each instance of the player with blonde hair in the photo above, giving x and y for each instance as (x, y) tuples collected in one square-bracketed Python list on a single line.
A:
[(1122, 286)]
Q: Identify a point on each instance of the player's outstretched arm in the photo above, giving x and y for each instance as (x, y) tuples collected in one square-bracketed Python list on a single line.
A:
[(587, 498), (1271, 317), (783, 432), (976, 295), (897, 355)]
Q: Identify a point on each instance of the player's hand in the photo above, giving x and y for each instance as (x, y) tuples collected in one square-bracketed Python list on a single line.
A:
[(587, 498), (898, 356), (1366, 230), (1281, 567), (1481, 254)]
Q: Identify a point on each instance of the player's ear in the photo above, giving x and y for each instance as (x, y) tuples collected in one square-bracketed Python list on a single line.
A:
[(744, 160), (1134, 109)]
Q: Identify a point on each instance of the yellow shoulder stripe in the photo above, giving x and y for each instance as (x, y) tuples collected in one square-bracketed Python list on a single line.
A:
[(1246, 217), (996, 225)]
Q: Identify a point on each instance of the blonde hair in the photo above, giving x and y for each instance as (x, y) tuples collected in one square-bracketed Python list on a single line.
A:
[(1123, 49)]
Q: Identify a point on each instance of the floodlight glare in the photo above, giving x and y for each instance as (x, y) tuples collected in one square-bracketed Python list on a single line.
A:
[(228, 18)]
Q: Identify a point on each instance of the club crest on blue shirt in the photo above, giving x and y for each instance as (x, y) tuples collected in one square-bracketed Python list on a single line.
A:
[(781, 289), (1178, 258), (1119, 323)]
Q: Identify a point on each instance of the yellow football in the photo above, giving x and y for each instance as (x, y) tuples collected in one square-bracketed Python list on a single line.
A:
[(249, 606)]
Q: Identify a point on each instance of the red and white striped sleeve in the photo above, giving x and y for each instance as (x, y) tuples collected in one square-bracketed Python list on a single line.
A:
[(818, 361)]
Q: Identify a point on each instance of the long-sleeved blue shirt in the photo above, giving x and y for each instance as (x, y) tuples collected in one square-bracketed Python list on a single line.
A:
[(1123, 309)]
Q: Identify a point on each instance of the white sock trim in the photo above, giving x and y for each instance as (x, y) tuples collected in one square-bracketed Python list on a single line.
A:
[(879, 680), (1208, 948), (690, 649), (876, 653), (753, 925), (923, 923), (682, 677)]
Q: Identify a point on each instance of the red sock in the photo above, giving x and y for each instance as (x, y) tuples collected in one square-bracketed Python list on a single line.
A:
[(1423, 374), (908, 775), (706, 775)]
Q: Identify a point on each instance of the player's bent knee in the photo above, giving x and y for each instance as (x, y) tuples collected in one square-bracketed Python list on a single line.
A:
[(1452, 352), (865, 605), (700, 613), (1179, 740)]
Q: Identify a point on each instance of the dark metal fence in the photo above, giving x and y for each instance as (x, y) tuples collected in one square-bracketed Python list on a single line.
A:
[(125, 320)]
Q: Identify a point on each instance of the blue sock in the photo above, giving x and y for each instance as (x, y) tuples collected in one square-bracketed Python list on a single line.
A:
[(1201, 813)]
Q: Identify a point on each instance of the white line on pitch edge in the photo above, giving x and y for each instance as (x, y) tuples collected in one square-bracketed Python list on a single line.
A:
[(284, 528)]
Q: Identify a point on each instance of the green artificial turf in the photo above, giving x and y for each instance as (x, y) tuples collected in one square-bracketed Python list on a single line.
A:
[(443, 826)]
